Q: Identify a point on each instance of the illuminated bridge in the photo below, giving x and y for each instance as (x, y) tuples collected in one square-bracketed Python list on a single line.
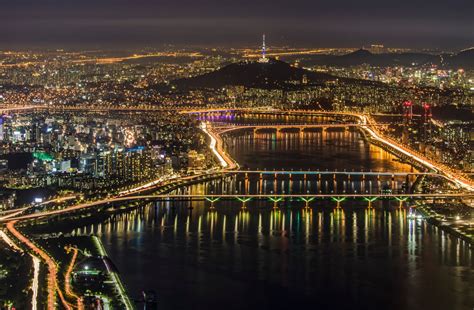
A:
[(279, 127), (243, 198), (331, 174)]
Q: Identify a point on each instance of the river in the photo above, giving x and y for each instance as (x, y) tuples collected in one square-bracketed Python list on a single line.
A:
[(289, 257)]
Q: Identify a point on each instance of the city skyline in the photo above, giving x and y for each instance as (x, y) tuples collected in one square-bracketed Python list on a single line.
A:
[(236, 154)]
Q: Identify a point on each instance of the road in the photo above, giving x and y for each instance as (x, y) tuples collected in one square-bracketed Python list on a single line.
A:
[(88, 205), (52, 282), (450, 174), (227, 165), (224, 129)]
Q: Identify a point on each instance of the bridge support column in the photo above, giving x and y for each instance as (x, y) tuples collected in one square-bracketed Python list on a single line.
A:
[(275, 201), (338, 201), (244, 200), (275, 205), (369, 201), (212, 200), (306, 205), (307, 201), (401, 200)]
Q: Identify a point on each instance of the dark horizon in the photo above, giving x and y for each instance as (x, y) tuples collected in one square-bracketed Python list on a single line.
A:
[(301, 23)]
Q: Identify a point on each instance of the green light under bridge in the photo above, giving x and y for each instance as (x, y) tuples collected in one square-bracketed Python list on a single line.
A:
[(275, 199), (336, 199), (212, 199), (307, 199), (401, 199), (245, 199), (370, 199)]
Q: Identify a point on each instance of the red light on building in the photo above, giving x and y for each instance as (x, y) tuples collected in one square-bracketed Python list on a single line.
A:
[(408, 110), (427, 110)]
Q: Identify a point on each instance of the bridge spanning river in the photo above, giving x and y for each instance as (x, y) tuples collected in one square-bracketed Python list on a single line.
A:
[(324, 239)]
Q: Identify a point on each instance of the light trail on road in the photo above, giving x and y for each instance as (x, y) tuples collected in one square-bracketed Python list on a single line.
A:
[(215, 145), (427, 163), (35, 283), (227, 165), (9, 241), (36, 268), (67, 278), (52, 268)]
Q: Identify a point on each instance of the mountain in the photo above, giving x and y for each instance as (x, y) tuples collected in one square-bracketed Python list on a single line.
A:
[(274, 74), (362, 56), (463, 59)]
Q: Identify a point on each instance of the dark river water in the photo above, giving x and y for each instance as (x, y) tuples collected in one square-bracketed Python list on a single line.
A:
[(290, 257)]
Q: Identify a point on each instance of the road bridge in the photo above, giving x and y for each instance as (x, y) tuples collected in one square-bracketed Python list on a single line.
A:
[(334, 172), (279, 127), (246, 198)]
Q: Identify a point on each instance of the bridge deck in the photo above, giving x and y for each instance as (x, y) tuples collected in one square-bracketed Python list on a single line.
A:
[(316, 172), (244, 198)]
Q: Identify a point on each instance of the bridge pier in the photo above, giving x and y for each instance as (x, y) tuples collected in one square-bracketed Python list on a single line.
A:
[(306, 205), (369, 201), (307, 201), (338, 201), (401, 200), (275, 205)]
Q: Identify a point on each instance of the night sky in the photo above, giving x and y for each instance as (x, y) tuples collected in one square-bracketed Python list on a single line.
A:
[(138, 23)]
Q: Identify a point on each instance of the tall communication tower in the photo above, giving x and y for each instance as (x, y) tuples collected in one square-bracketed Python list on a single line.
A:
[(264, 58)]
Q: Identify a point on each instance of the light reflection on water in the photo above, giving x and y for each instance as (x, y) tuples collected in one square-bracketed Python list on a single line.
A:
[(310, 255), (289, 257)]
